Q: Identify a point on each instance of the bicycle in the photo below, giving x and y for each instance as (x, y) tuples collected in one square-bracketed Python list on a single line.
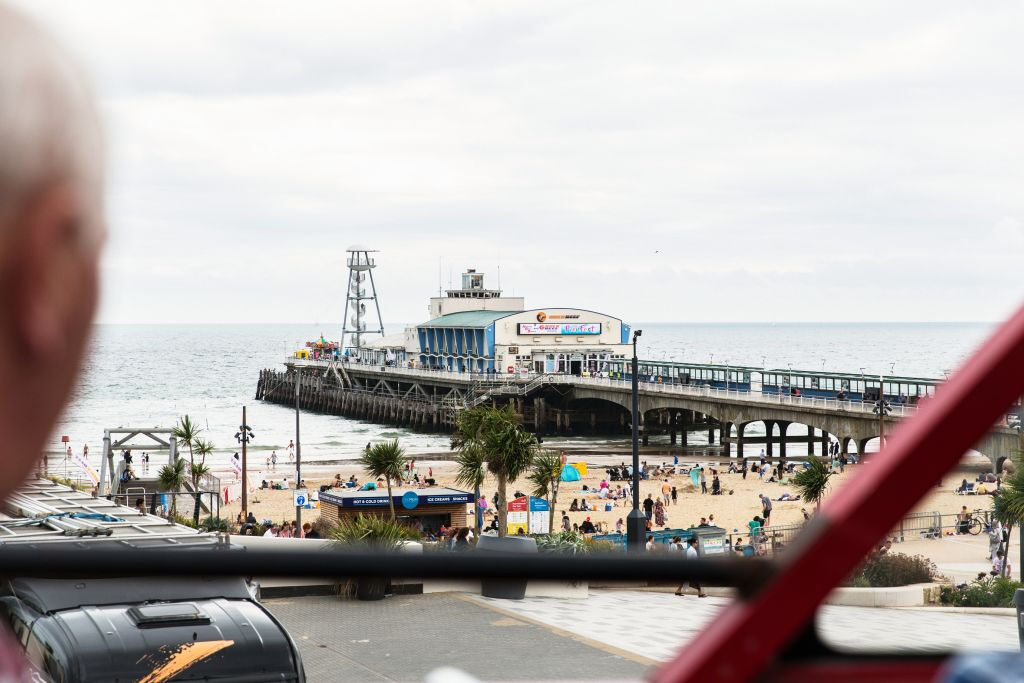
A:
[(973, 526)]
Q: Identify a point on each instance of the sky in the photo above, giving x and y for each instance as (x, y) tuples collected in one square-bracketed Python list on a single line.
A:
[(699, 161)]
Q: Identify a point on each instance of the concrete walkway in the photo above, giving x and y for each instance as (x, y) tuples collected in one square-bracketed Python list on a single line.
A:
[(656, 625), (404, 638)]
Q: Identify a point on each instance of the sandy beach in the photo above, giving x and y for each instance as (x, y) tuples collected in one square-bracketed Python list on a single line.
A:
[(731, 510)]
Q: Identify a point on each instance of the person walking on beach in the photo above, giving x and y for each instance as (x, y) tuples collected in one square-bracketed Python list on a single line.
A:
[(291, 451), (743, 469), (766, 508), (659, 514), (675, 495), (703, 481), (273, 461), (648, 506), (666, 492)]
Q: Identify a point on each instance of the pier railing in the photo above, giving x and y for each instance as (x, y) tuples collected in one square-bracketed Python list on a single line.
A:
[(520, 381)]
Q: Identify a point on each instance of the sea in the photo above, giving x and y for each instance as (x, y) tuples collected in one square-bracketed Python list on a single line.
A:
[(151, 375)]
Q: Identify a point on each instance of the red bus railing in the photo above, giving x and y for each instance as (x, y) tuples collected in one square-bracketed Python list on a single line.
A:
[(746, 639)]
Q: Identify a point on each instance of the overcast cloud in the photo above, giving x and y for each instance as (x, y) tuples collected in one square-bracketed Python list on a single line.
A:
[(659, 162)]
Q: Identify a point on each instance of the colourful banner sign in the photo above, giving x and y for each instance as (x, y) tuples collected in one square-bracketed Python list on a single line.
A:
[(88, 471), (559, 328)]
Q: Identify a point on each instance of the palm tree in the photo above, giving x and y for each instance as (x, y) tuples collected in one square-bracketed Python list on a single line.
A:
[(494, 436), (385, 460), (198, 470), (171, 478), (1008, 507), (812, 482), (470, 472), (187, 431), (546, 473)]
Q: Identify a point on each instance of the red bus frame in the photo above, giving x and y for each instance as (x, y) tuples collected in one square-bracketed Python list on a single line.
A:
[(745, 640)]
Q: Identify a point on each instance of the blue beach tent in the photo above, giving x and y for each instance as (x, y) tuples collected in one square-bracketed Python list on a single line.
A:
[(570, 473)]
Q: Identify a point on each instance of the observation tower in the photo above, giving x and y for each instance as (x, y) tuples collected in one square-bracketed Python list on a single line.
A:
[(360, 270)]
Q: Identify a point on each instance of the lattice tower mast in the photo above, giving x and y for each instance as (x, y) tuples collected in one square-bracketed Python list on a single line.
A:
[(360, 270)]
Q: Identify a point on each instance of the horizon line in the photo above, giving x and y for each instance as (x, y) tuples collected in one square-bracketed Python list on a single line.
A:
[(631, 324)]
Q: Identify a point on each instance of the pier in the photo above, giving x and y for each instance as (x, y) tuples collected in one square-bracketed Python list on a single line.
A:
[(561, 404)]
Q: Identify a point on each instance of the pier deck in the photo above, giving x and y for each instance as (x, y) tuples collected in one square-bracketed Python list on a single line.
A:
[(568, 404)]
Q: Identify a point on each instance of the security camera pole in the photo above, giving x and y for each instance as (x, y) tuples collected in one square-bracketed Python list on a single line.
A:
[(636, 521), (243, 436)]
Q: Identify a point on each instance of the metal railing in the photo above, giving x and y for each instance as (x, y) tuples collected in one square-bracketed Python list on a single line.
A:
[(866, 407)]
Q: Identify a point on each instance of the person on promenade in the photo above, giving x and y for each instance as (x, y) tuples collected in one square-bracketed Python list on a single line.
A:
[(703, 481), (691, 554), (648, 506), (650, 543), (766, 508), (754, 530)]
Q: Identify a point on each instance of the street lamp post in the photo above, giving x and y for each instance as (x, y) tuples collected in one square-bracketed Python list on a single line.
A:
[(882, 408), (636, 521), (298, 455)]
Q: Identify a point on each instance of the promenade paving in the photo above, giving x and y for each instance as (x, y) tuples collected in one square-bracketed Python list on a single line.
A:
[(656, 625), (404, 638)]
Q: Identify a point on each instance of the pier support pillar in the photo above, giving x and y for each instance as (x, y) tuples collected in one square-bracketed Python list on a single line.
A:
[(769, 429), (593, 422), (711, 432), (683, 436), (783, 426), (810, 440), (673, 420), (825, 443), (844, 445), (739, 438)]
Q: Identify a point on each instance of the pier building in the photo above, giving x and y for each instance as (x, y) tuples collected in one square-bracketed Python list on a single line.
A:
[(476, 329)]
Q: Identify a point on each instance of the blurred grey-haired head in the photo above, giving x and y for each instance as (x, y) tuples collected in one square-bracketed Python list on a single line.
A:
[(49, 126)]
